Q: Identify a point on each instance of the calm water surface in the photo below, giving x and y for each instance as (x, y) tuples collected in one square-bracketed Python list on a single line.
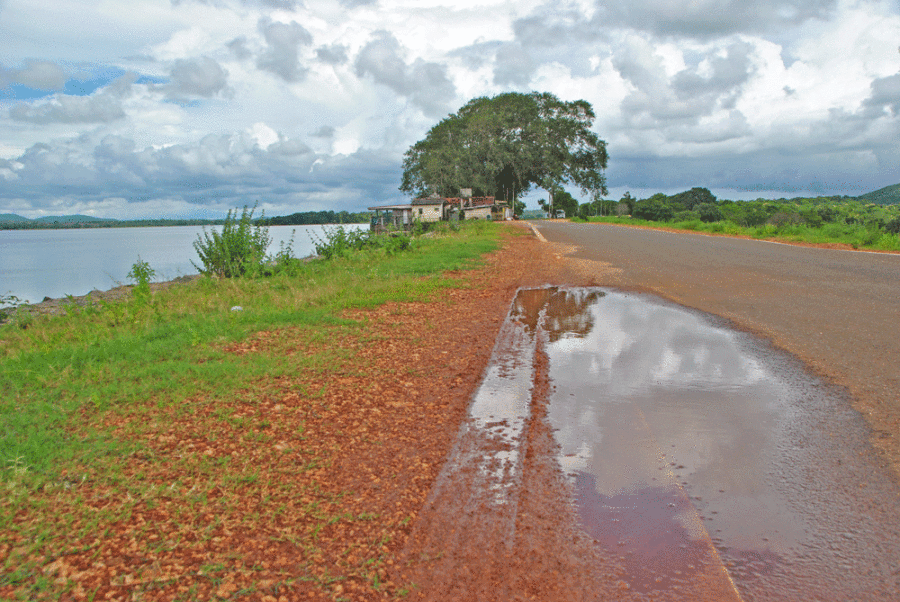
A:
[(54, 263), (698, 452)]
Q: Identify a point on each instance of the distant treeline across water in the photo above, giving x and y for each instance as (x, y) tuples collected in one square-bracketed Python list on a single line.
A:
[(305, 218)]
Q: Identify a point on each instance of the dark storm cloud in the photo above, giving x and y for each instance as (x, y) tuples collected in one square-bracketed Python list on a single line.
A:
[(729, 72), (201, 76), (231, 169), (426, 84), (837, 172), (885, 97), (102, 106), (282, 56), (710, 18)]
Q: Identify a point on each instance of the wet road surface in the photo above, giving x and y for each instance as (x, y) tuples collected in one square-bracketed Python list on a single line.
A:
[(693, 448), (700, 462), (836, 310)]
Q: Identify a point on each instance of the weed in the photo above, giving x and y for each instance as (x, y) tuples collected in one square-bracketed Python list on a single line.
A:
[(239, 249), (141, 274)]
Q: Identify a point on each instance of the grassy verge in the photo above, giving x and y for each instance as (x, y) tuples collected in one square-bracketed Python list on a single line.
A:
[(82, 394), (855, 236)]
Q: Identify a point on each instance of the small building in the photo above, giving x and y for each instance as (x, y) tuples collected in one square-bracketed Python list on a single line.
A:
[(435, 209)]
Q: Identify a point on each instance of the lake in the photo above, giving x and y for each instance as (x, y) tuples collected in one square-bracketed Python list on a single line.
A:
[(54, 263)]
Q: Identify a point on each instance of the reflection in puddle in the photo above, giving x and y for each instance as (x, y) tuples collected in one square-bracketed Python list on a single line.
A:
[(697, 453)]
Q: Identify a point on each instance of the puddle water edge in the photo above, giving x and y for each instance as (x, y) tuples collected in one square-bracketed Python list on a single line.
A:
[(697, 451)]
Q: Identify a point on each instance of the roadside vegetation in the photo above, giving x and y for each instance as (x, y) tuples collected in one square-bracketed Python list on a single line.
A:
[(819, 220), (87, 396)]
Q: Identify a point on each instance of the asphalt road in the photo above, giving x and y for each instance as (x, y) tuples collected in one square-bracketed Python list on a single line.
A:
[(839, 311)]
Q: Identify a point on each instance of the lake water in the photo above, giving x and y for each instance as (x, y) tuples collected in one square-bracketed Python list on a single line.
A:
[(54, 263)]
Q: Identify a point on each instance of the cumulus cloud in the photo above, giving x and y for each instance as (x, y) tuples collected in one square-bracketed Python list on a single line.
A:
[(713, 82), (716, 93), (214, 170), (277, 4), (335, 54), (201, 76), (514, 65), (426, 84), (40, 75), (238, 47), (326, 131), (102, 106), (282, 54), (710, 18), (885, 96)]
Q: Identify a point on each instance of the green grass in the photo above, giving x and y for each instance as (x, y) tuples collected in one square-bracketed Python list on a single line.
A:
[(857, 236), (57, 372)]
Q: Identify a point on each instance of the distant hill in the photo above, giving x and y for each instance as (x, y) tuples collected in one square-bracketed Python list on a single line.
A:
[(889, 195), (71, 219), (12, 217)]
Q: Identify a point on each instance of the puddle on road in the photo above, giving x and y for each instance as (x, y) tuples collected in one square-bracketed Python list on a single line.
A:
[(700, 454)]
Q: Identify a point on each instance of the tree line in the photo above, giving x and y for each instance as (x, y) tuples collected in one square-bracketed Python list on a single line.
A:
[(295, 219), (700, 205), (308, 218)]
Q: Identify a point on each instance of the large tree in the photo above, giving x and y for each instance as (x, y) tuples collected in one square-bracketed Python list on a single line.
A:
[(502, 146)]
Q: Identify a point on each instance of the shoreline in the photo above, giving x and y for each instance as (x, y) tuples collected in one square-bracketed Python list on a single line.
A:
[(56, 306)]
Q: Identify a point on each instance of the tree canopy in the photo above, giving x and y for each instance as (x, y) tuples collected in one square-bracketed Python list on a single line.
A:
[(502, 146)]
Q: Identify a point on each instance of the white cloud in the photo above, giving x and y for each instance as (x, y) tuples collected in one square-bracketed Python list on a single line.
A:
[(282, 54), (103, 106), (41, 75), (309, 104), (201, 76), (425, 83)]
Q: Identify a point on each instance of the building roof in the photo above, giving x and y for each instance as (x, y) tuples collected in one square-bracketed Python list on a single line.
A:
[(387, 207)]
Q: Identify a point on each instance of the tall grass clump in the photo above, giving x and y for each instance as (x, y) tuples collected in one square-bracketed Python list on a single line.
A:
[(339, 242), (238, 250)]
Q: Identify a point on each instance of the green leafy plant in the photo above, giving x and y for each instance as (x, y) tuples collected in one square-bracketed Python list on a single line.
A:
[(239, 249), (339, 242), (141, 273)]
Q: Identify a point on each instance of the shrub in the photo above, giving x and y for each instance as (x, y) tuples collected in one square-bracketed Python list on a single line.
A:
[(338, 242), (893, 226), (686, 216), (141, 273), (709, 212), (239, 249), (783, 218), (652, 210)]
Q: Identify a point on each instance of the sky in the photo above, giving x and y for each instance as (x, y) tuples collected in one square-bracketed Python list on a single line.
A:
[(186, 108)]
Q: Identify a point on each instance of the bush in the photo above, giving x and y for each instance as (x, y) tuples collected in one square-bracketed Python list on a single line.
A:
[(783, 218), (686, 216), (141, 273), (338, 242), (237, 250), (652, 210), (709, 212), (893, 226)]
